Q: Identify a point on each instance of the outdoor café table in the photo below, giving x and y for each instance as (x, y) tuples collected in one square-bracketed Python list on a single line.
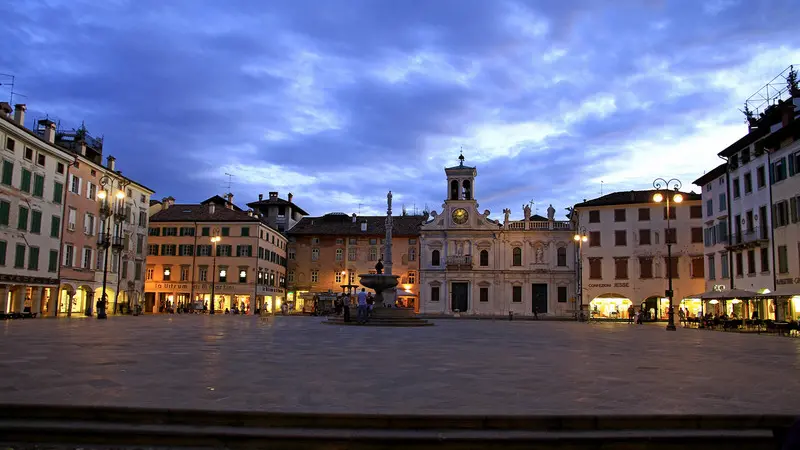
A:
[(781, 328)]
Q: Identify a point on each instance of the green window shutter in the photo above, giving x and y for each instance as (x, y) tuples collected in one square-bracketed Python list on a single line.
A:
[(8, 172), (792, 168), (36, 221), (52, 264), (22, 222), (55, 226), (58, 192), (38, 185), (5, 210), (33, 258), (25, 185), (19, 257), (3, 248)]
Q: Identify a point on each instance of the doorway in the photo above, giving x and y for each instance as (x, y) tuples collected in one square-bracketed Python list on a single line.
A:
[(539, 298), (459, 293)]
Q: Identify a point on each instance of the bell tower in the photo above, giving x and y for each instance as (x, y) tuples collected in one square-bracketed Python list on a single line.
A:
[(461, 183)]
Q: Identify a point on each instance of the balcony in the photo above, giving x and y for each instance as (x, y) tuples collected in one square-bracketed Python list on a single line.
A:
[(106, 240), (521, 225), (749, 238), (459, 262)]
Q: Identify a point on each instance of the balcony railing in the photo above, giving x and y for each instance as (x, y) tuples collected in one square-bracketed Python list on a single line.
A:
[(459, 261), (522, 225), (106, 240), (749, 236)]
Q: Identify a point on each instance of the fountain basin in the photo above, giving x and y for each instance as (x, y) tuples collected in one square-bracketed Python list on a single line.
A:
[(379, 282)]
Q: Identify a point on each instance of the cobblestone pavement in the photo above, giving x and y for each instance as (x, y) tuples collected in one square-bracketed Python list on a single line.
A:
[(468, 367)]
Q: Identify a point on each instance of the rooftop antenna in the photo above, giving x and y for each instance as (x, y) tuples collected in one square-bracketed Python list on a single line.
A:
[(230, 176), (359, 208), (601, 187), (8, 76)]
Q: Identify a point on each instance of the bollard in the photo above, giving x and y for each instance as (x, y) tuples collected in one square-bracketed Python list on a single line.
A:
[(511, 315)]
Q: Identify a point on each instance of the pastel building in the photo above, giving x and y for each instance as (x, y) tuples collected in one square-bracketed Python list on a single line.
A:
[(244, 264)]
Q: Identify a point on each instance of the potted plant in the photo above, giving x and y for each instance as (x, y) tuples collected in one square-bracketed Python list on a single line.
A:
[(749, 116), (792, 83)]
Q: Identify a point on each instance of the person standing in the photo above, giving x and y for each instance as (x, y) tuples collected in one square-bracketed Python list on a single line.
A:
[(346, 307), (362, 306)]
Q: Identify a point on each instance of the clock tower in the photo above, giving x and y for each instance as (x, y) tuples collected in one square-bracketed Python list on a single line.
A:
[(460, 205)]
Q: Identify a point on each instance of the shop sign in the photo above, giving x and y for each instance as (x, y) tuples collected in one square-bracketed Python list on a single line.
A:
[(620, 284), (789, 280), (601, 285), (719, 287), (25, 279), (217, 288), (173, 286)]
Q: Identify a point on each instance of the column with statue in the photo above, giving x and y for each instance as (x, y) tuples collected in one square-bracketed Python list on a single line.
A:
[(384, 282)]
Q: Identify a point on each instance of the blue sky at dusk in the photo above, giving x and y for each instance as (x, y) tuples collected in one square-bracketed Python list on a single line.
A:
[(341, 101)]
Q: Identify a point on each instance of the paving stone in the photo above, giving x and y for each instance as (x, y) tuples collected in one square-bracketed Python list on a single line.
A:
[(296, 364)]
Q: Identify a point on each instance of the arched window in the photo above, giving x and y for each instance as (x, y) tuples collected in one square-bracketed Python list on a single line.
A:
[(517, 257), (562, 256), (454, 190), (467, 190), (435, 258), (484, 258)]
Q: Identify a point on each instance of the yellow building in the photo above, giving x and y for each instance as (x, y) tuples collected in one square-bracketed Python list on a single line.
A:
[(215, 245)]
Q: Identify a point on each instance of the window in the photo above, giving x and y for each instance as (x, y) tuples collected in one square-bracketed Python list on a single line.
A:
[(339, 241), (3, 250), (205, 231), (697, 235), (672, 213), (338, 277), (33, 258), (412, 241), (314, 254), (154, 231), (5, 211), (8, 172), (339, 254), (644, 214), (698, 267), (152, 250), (86, 262), (72, 218), (619, 215), (645, 267), (291, 276), (723, 204), (670, 236), (244, 250), (736, 188), (185, 250), (594, 216), (171, 249), (373, 254), (91, 191), (137, 271), (764, 260), (435, 259), (242, 275), (10, 144), (621, 268), (149, 274), (58, 192), (516, 257), (562, 294), (724, 266), (19, 256), (52, 263), (28, 154), (75, 184), (712, 269), (224, 250), (124, 272), (167, 273), (783, 259), (22, 218), (561, 257), (516, 294), (709, 208), (60, 168), (778, 171), (245, 231), (434, 293), (353, 241), (412, 277), (595, 268), (25, 184), (739, 265), (620, 238), (36, 221), (672, 267), (69, 255), (143, 220), (644, 237), (187, 231), (484, 294), (55, 226), (373, 242), (170, 231), (484, 258), (748, 183), (594, 239), (223, 275), (226, 231), (314, 241), (412, 254), (751, 262), (314, 276), (291, 254), (139, 244), (780, 214), (202, 273), (794, 163)]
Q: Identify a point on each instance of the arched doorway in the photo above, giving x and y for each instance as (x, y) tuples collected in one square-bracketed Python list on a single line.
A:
[(610, 306), (655, 307)]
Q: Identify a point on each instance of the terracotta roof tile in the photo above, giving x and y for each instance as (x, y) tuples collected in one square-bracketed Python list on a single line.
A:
[(341, 224), (630, 198)]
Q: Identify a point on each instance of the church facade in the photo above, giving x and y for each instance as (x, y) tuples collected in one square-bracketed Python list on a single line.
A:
[(473, 265)]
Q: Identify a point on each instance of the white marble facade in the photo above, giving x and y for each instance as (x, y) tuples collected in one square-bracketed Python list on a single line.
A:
[(473, 265)]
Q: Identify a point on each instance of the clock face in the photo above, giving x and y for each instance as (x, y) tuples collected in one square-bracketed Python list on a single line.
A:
[(460, 216)]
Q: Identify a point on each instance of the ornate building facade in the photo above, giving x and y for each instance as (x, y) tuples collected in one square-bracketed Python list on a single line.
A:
[(471, 264)]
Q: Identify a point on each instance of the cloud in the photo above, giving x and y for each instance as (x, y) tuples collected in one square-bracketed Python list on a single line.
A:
[(339, 101)]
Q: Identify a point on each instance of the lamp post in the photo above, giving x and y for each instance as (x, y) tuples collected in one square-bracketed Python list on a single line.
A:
[(671, 191), (214, 240), (580, 238), (109, 213)]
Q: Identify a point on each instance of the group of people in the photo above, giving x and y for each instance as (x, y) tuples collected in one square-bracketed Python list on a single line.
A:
[(365, 302)]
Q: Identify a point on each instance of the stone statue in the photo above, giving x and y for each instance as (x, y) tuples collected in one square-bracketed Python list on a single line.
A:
[(389, 201), (379, 267), (506, 213), (551, 213), (539, 255), (526, 211)]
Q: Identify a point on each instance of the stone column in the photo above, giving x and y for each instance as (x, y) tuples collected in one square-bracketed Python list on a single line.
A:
[(18, 299), (55, 295), (70, 299), (3, 298), (36, 299)]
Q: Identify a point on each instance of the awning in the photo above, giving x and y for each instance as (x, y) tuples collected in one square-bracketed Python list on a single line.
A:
[(784, 290), (727, 294)]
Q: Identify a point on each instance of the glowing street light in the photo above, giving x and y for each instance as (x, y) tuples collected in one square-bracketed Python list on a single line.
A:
[(214, 240), (671, 191)]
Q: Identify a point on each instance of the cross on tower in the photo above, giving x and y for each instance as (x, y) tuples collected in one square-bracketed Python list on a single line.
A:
[(461, 158)]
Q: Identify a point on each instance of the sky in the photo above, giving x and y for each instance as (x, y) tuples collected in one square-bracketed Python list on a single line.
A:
[(340, 101)]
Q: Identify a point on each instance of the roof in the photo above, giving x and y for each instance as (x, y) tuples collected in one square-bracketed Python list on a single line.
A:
[(37, 137), (201, 213), (154, 202), (342, 225), (630, 198), (744, 141), (538, 218), (790, 131), (277, 202), (712, 175), (217, 200)]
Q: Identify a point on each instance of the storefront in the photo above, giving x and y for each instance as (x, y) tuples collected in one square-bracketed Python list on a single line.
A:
[(609, 306), (167, 296)]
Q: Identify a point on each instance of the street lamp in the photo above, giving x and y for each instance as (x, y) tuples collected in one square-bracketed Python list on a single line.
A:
[(669, 193), (109, 213), (214, 241), (580, 238)]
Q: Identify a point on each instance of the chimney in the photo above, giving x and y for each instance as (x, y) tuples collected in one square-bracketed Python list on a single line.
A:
[(5, 108), (788, 112), (166, 202), (49, 130), (211, 208), (250, 212), (260, 197), (111, 162), (364, 226), (19, 114), (289, 198), (273, 195), (229, 200), (354, 217)]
